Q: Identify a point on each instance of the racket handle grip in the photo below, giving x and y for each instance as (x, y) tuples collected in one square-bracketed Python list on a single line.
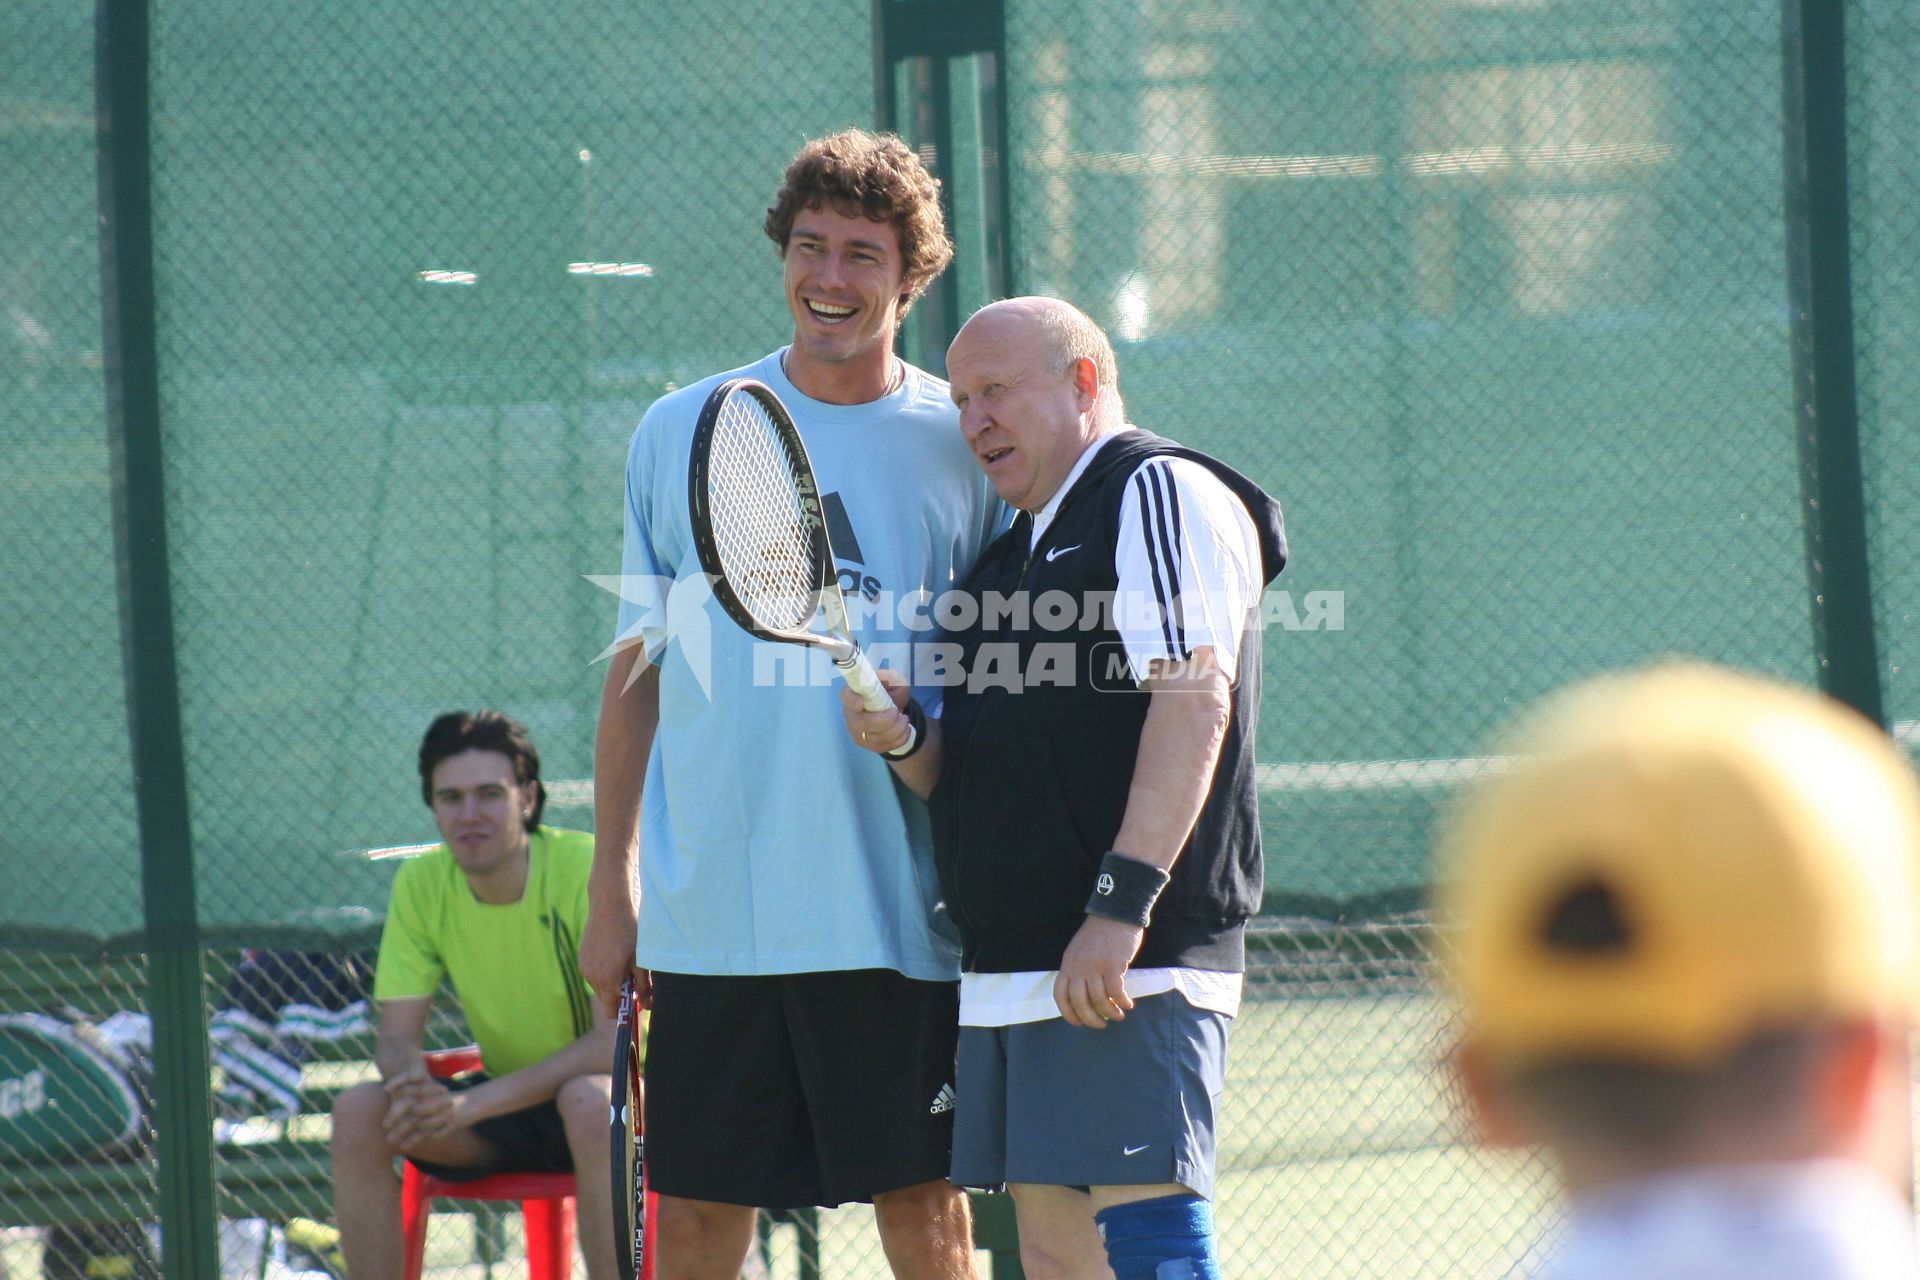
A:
[(865, 681)]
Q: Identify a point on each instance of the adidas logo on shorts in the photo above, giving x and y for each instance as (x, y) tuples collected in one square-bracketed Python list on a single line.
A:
[(942, 1101)]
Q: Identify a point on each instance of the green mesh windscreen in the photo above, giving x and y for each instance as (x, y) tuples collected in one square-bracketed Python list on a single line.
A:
[(1492, 296), (422, 266), (68, 854), (1884, 175), (1492, 299)]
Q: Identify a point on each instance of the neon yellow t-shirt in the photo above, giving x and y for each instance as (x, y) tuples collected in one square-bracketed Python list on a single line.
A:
[(515, 966)]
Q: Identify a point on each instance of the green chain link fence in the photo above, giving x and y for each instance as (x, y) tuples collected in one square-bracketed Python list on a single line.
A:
[(1494, 297)]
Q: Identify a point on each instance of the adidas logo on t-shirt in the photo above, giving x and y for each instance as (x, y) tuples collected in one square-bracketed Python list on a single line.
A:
[(942, 1101)]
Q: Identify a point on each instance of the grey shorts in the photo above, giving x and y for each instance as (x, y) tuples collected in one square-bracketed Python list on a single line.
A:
[(1132, 1104)]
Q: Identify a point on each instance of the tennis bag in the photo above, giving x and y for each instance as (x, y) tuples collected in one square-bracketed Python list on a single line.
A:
[(66, 1093)]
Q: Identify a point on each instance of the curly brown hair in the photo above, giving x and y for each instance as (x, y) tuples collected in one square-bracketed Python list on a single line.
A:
[(871, 175)]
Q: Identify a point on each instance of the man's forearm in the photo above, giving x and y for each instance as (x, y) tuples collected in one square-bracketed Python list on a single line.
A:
[(629, 715), (396, 1055), (591, 1054), (1172, 774), (401, 1033), (1173, 769)]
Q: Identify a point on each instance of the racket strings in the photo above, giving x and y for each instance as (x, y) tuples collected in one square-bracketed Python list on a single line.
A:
[(760, 530)]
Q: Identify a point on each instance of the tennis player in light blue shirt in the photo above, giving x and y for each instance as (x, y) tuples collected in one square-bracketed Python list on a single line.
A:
[(766, 885), (772, 844)]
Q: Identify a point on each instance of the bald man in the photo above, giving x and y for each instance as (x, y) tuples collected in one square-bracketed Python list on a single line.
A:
[(1096, 825)]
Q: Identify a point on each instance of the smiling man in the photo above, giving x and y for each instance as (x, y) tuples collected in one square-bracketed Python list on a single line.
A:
[(496, 910), (788, 931)]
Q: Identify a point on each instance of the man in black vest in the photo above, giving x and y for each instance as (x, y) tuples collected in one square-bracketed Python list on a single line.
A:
[(1092, 789)]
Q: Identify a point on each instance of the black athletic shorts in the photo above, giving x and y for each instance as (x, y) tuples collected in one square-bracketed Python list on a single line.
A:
[(799, 1089), (531, 1140)]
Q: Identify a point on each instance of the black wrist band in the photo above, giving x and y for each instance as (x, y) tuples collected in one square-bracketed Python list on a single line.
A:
[(1126, 889), (918, 719)]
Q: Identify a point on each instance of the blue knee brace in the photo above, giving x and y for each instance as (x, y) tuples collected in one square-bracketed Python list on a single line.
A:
[(1170, 1238)]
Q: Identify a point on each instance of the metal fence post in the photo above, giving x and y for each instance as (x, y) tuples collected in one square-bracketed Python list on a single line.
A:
[(1826, 407), (183, 1123), (938, 31), (1825, 376)]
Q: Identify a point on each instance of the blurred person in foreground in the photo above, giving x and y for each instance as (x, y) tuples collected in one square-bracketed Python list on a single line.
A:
[(496, 910), (1686, 946)]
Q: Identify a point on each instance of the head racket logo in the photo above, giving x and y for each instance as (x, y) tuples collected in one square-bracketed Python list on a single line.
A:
[(809, 496)]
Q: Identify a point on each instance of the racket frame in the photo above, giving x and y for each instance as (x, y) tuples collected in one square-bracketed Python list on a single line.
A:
[(837, 641), (632, 1237)]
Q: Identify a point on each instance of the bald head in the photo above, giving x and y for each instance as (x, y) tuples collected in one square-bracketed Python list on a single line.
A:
[(1033, 379), (1065, 334)]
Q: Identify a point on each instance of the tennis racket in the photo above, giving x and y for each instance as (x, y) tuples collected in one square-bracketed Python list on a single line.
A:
[(760, 535), (632, 1204)]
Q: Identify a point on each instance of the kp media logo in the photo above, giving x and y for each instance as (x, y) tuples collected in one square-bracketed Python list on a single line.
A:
[(1034, 640)]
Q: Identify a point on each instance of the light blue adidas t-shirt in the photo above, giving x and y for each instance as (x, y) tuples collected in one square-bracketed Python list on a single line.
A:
[(770, 843)]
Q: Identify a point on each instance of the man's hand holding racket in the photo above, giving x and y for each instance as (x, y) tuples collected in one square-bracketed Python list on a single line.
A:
[(606, 955), (889, 730)]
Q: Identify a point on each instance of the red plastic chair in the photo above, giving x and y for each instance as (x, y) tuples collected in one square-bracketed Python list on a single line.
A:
[(546, 1199)]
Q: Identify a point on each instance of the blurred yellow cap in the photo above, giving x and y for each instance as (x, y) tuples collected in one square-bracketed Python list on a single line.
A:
[(1682, 858)]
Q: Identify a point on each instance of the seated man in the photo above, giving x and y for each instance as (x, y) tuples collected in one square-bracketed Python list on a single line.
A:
[(496, 910)]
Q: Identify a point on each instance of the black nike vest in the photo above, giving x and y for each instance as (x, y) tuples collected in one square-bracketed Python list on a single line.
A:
[(1042, 725)]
